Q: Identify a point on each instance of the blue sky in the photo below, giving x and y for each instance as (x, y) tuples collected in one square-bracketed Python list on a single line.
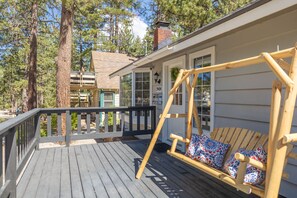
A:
[(140, 22)]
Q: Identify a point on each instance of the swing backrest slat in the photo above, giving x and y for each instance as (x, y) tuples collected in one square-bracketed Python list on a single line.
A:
[(239, 138)]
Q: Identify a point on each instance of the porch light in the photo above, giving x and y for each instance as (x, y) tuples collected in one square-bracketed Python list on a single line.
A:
[(157, 78)]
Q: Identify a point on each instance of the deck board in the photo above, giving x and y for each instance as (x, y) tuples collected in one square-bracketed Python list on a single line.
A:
[(108, 170)]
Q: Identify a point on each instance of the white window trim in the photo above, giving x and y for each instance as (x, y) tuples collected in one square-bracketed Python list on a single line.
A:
[(133, 81), (138, 70), (192, 56)]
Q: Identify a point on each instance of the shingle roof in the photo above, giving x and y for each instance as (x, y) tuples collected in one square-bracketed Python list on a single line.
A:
[(105, 63)]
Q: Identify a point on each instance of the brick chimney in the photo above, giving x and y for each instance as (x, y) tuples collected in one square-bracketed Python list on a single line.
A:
[(162, 35)]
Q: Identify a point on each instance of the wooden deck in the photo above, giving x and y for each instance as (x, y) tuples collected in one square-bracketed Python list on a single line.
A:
[(108, 170)]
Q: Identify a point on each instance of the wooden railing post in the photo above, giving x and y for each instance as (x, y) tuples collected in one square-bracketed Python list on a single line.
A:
[(10, 161), (37, 129), (68, 128)]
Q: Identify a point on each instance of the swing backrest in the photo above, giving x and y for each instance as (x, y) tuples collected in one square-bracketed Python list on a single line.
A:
[(239, 138)]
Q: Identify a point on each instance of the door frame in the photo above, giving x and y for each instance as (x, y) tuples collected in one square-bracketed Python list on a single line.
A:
[(165, 77)]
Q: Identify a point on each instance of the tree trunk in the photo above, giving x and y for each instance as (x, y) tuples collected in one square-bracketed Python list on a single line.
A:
[(117, 34), (64, 59), (32, 70), (81, 62)]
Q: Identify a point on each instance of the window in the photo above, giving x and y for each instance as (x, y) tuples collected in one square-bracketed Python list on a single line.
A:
[(108, 99), (126, 90), (202, 94), (178, 96), (142, 89)]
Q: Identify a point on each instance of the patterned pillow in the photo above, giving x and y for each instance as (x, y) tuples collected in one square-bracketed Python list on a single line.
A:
[(253, 175), (195, 140), (207, 150)]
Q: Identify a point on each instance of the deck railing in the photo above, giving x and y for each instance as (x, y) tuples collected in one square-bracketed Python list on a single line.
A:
[(21, 135)]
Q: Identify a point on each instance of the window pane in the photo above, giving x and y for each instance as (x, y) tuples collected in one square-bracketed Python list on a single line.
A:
[(108, 96), (126, 90), (146, 76), (206, 78), (206, 61), (138, 76), (108, 104), (146, 85), (142, 87), (205, 122), (138, 85), (198, 62)]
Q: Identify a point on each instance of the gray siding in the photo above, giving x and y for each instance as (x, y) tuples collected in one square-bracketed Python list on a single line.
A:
[(242, 96)]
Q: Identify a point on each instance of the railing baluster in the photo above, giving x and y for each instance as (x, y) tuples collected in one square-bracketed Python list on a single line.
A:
[(153, 119), (68, 128), (59, 123), (19, 143), (106, 122), (97, 122), (49, 125), (145, 119), (37, 129), (130, 120), (10, 161), (26, 135), (22, 140), (79, 123), (88, 123), (122, 121), (138, 120), (1, 164), (114, 121)]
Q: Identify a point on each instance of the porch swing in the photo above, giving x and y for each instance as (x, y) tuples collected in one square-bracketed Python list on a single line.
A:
[(278, 143)]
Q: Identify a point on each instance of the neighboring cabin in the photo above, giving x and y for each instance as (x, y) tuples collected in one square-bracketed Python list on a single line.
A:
[(231, 98), (103, 63), (94, 88)]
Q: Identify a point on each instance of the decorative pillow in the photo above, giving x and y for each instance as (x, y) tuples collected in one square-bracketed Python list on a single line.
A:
[(207, 150), (253, 175), (193, 145)]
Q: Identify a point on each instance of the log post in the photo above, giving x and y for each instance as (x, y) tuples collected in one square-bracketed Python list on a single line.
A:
[(190, 109), (159, 127), (274, 119), (278, 160), (194, 108)]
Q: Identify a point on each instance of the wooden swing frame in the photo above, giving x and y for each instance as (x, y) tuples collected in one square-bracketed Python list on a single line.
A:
[(281, 117)]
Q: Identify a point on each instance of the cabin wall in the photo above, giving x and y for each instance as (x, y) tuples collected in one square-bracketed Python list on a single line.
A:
[(242, 96)]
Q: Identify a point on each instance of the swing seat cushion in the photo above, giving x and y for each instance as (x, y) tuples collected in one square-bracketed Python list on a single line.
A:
[(208, 151), (253, 175)]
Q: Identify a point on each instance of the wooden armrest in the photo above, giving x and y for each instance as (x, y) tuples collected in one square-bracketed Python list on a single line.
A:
[(175, 139), (253, 162), (179, 138), (290, 138)]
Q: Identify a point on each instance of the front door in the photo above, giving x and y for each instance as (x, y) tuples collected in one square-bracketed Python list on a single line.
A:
[(174, 125)]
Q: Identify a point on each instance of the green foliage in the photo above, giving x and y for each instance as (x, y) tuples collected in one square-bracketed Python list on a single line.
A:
[(110, 119), (188, 15), (174, 73), (74, 121)]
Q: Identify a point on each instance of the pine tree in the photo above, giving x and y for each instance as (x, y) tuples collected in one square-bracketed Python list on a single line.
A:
[(32, 70), (188, 15)]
